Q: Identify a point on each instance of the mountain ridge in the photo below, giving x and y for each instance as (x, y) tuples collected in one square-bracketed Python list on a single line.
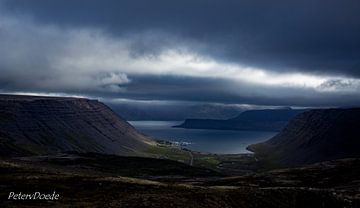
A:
[(258, 120), (51, 124), (315, 136), (138, 112)]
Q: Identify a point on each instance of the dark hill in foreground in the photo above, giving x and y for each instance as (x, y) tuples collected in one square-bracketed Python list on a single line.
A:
[(334, 184), (314, 136), (256, 120), (36, 125)]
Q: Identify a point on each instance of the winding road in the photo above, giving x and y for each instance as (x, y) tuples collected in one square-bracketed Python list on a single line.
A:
[(191, 158)]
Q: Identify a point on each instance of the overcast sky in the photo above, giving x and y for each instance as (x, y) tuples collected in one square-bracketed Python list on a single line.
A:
[(257, 52)]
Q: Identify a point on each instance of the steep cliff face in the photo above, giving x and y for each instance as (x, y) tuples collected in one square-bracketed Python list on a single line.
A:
[(51, 124), (314, 136)]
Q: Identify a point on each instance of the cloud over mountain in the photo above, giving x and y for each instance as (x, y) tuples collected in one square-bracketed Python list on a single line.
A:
[(284, 53)]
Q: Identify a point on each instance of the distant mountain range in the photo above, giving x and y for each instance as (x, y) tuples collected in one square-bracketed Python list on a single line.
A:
[(133, 112), (313, 136), (43, 125), (257, 120)]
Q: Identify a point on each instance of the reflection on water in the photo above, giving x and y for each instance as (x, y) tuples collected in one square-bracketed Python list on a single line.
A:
[(213, 141)]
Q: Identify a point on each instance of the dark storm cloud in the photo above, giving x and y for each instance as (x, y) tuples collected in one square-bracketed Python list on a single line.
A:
[(314, 36), (230, 52), (184, 89)]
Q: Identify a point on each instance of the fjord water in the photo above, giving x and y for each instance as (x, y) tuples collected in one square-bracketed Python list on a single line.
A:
[(204, 140)]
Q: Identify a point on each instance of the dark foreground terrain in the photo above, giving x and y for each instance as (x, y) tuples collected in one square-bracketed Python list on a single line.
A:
[(94, 180)]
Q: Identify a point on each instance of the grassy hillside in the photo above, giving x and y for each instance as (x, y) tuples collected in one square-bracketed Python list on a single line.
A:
[(91, 188)]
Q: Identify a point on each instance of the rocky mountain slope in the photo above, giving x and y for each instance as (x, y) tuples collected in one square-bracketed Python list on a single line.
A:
[(37, 125), (314, 136), (258, 120)]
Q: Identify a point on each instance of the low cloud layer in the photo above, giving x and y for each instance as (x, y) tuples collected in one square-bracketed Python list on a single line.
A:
[(258, 54)]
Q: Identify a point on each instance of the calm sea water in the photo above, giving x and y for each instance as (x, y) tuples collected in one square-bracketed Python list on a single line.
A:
[(213, 141)]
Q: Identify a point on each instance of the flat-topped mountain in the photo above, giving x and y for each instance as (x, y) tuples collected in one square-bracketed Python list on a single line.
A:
[(177, 112), (314, 136), (31, 124), (258, 120)]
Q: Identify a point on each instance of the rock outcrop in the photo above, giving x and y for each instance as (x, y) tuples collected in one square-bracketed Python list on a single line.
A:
[(314, 136), (30, 124)]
